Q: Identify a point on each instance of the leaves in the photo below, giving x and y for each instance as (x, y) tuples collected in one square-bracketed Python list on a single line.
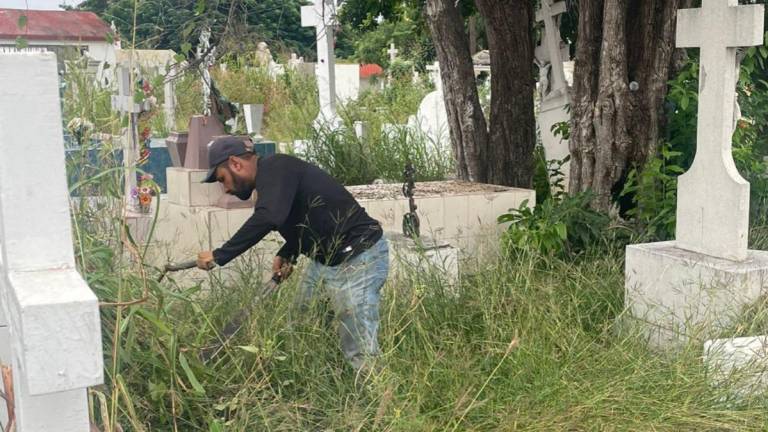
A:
[(22, 22), (190, 375), (21, 42)]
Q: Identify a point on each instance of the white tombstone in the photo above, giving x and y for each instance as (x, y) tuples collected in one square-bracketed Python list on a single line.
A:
[(322, 15), (432, 116), (49, 320), (392, 51), (740, 363), (552, 84), (698, 283), (253, 113)]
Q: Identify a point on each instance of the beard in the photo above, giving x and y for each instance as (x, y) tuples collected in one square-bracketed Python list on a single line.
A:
[(242, 189)]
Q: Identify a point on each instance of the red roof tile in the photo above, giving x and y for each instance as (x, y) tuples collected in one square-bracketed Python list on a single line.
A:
[(53, 25), (369, 70)]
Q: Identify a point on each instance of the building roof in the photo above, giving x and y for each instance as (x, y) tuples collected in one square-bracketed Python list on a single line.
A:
[(369, 70), (53, 25)]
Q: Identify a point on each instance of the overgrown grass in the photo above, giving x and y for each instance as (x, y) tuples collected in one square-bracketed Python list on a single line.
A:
[(529, 343)]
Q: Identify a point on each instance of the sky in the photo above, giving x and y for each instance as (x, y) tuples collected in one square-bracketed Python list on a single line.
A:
[(36, 4)]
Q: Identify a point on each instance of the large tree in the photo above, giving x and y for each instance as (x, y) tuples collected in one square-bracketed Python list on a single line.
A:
[(509, 28), (505, 154), (623, 62), (468, 128)]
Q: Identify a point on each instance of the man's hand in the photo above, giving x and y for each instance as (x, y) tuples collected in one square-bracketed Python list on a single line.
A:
[(205, 260), (282, 268)]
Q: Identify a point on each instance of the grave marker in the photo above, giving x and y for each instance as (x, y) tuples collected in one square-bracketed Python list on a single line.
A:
[(50, 318), (322, 16), (713, 198), (696, 286)]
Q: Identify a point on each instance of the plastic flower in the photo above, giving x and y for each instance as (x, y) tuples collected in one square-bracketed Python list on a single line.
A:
[(134, 192), (145, 190), (145, 199)]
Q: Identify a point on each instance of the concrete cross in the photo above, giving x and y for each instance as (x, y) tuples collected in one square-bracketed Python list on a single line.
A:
[(125, 103), (50, 333), (392, 51), (321, 15), (551, 51), (713, 199)]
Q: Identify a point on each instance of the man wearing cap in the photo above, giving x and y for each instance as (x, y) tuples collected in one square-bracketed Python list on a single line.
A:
[(318, 218)]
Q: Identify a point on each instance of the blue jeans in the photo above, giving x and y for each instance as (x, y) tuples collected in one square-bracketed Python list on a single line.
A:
[(354, 289)]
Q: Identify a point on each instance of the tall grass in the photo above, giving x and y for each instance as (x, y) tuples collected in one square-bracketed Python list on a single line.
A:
[(529, 343)]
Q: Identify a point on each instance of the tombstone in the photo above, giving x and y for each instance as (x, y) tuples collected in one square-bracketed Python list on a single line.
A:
[(553, 86), (392, 51), (50, 333), (741, 363), (177, 147), (432, 116), (202, 128), (361, 130), (322, 15), (695, 285), (253, 118), (124, 102)]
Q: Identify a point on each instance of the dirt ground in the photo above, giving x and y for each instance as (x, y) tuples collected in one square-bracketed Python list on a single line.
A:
[(423, 189)]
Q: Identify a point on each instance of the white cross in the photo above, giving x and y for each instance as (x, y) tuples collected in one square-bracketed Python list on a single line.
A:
[(392, 51), (552, 51), (321, 15), (49, 318), (713, 199)]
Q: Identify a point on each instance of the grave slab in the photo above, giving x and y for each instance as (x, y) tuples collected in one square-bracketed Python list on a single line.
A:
[(678, 295), (740, 363)]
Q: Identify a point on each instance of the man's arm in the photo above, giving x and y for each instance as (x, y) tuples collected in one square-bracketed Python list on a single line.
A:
[(276, 188)]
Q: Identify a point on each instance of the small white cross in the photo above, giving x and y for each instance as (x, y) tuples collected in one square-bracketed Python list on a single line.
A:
[(392, 51)]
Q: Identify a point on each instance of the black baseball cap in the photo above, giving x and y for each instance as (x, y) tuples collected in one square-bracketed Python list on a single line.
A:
[(220, 149)]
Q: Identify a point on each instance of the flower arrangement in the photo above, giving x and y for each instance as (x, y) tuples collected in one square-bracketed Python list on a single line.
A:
[(144, 191)]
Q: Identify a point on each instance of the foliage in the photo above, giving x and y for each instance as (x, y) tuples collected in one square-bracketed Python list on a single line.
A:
[(653, 191), (236, 25), (560, 225)]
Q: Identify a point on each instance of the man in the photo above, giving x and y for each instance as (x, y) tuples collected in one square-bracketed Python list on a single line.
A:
[(318, 218)]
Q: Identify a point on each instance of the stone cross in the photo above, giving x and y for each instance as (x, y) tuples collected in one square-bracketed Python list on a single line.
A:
[(125, 103), (713, 198), (50, 333), (206, 61), (321, 15), (392, 51), (551, 51)]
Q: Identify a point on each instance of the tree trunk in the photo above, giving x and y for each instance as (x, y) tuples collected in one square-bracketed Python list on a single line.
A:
[(509, 27), (616, 126), (468, 129)]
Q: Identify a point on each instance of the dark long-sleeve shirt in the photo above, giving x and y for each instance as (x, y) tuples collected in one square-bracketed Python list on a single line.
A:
[(315, 214)]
